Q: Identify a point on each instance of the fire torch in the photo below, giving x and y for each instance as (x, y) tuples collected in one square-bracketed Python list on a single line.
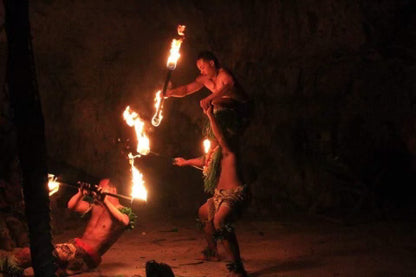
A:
[(171, 65)]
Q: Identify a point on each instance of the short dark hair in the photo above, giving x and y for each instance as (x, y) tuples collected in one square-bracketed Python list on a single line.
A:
[(208, 56)]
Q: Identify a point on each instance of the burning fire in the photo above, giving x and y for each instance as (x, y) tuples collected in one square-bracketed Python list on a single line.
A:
[(181, 30), (174, 54), (138, 190), (158, 102), (207, 145), (175, 47), (53, 184), (133, 119)]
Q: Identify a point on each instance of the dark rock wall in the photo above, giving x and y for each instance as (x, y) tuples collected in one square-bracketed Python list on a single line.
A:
[(333, 85)]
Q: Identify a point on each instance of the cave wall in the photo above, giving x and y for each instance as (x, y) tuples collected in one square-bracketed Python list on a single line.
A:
[(332, 82)]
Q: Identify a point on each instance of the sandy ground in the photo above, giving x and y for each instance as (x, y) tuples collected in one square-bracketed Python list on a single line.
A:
[(295, 247)]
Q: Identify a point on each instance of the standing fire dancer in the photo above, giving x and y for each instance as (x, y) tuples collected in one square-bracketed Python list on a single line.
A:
[(109, 219), (223, 179)]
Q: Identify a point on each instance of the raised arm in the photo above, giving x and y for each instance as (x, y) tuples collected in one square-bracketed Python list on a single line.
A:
[(185, 90), (77, 204), (219, 135)]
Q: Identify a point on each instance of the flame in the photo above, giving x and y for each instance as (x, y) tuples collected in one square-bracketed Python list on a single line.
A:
[(133, 119), (53, 184), (138, 190), (181, 30), (174, 53), (158, 101), (207, 145)]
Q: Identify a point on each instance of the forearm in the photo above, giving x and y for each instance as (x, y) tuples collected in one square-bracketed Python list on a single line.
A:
[(177, 92), (75, 200), (198, 162)]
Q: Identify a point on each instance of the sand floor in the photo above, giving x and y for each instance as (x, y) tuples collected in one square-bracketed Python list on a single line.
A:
[(294, 247)]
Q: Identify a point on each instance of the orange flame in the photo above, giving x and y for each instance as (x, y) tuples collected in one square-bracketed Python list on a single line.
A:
[(174, 53), (133, 119), (181, 30), (53, 184), (207, 145), (158, 101), (138, 190)]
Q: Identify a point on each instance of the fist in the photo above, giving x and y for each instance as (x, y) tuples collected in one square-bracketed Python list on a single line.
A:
[(179, 161)]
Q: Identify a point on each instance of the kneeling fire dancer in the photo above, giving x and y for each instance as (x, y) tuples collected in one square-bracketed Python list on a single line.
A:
[(223, 179), (109, 219)]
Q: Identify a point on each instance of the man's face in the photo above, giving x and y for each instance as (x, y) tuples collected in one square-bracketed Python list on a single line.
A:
[(106, 187), (207, 68)]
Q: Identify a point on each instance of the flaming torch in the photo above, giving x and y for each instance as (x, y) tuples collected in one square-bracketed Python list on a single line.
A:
[(171, 65), (54, 184)]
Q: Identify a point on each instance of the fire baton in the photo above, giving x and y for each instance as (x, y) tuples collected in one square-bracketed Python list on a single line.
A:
[(157, 118), (171, 65), (93, 188)]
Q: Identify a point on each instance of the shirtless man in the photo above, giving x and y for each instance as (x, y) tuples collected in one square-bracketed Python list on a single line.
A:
[(218, 80), (230, 195), (109, 219)]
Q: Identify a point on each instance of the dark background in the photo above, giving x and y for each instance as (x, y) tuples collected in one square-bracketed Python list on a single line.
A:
[(333, 82)]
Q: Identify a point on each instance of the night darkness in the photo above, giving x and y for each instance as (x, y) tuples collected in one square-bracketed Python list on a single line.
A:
[(331, 139)]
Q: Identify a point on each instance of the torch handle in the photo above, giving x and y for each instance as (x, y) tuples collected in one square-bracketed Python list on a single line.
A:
[(119, 196), (165, 86), (157, 118)]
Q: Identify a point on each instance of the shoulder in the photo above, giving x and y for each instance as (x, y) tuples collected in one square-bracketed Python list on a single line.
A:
[(225, 75), (132, 216)]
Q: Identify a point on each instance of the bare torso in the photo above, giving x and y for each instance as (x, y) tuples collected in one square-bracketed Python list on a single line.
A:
[(223, 83), (102, 230)]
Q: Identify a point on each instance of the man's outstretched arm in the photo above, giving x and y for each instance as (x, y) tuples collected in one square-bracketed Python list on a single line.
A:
[(185, 90), (198, 162)]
